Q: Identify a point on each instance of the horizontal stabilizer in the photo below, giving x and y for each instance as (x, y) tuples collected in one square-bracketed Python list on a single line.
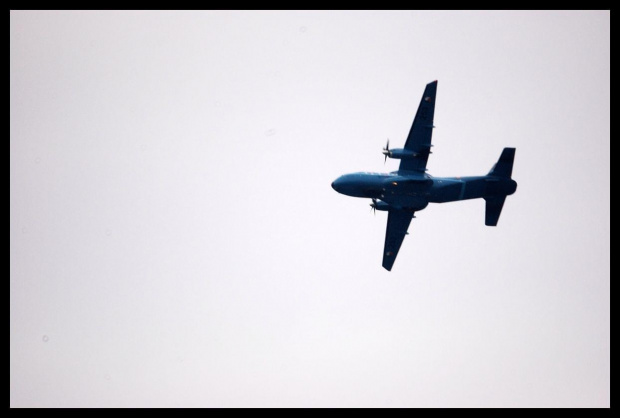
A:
[(494, 207)]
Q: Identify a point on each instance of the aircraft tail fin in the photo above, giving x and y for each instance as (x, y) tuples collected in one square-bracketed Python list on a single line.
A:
[(503, 166), (494, 207)]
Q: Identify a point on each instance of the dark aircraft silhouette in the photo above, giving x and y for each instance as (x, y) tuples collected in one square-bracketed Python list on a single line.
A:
[(401, 193)]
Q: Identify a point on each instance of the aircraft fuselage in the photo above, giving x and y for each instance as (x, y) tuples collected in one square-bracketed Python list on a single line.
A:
[(415, 192)]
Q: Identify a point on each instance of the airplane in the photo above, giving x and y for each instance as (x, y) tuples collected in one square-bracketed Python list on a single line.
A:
[(410, 189)]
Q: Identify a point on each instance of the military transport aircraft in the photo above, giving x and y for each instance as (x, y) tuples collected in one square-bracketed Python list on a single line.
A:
[(401, 193)]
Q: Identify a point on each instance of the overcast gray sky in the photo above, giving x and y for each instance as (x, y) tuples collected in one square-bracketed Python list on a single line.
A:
[(175, 240)]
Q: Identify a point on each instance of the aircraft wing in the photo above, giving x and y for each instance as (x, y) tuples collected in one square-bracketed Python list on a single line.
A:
[(397, 225), (421, 133)]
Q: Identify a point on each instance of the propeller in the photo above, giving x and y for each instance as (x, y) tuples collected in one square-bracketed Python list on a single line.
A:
[(373, 205), (386, 150)]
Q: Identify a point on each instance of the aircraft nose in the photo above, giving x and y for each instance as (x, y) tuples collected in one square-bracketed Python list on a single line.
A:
[(338, 184)]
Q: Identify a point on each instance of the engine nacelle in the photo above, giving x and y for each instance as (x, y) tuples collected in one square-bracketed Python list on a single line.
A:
[(399, 153), (379, 205)]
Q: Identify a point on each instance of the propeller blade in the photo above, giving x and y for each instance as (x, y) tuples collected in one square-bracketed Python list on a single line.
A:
[(373, 206), (386, 150)]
